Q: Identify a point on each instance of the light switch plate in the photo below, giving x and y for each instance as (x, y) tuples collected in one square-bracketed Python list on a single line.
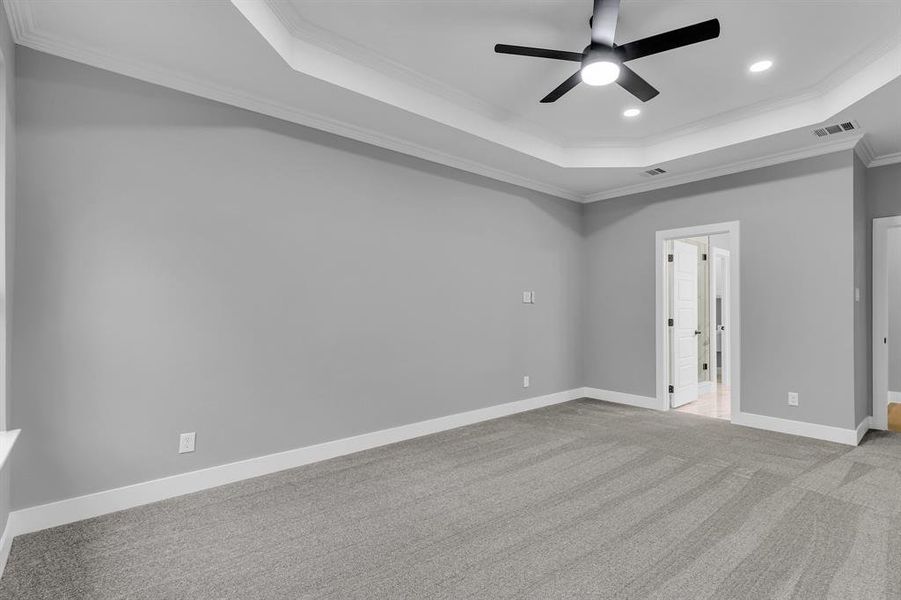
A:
[(527, 297), (525, 381), (793, 398)]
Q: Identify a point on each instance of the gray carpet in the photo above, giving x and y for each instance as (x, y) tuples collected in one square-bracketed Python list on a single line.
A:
[(580, 500)]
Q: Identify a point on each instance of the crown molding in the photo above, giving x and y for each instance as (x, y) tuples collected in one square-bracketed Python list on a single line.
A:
[(886, 159), (845, 143), (308, 49), (865, 58), (868, 157), (882, 70), (864, 151), (352, 50), (22, 25)]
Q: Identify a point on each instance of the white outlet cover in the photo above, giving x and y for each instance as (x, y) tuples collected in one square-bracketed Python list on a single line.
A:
[(525, 381), (527, 297), (793, 398), (186, 442)]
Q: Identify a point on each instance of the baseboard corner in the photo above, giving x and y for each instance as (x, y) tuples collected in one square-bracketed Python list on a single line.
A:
[(6, 542), (863, 427)]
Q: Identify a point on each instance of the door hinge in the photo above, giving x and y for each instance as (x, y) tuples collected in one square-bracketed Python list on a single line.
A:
[(669, 322), (671, 390), (704, 367), (703, 257), (669, 258)]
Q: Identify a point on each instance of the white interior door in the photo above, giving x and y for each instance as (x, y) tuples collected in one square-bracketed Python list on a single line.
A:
[(685, 323)]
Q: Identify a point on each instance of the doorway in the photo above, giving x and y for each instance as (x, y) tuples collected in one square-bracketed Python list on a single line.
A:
[(697, 333), (887, 323)]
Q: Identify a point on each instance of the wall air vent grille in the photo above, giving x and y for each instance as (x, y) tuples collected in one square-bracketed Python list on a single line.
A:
[(653, 172), (834, 129)]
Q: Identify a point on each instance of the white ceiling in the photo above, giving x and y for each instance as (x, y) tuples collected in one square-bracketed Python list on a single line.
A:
[(421, 77), (451, 43)]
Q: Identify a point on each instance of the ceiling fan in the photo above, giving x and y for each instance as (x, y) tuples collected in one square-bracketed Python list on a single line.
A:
[(603, 61)]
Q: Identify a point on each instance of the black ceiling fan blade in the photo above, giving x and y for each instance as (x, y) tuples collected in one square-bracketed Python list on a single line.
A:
[(630, 81), (684, 36), (574, 80), (603, 21), (539, 52)]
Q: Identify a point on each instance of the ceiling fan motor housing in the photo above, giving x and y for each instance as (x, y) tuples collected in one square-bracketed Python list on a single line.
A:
[(598, 52)]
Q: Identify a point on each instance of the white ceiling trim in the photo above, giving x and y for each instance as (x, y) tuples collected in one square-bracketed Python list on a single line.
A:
[(887, 159), (852, 66), (308, 58), (844, 143), (884, 69), (360, 55), (869, 158), (304, 48), (864, 151), (26, 34)]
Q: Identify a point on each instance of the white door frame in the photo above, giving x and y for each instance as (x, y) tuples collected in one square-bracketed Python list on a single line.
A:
[(715, 255), (662, 330), (881, 228)]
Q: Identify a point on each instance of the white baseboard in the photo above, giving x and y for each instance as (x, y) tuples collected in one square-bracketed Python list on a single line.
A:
[(811, 430), (622, 398), (863, 428), (40, 517), (6, 542), (894, 397)]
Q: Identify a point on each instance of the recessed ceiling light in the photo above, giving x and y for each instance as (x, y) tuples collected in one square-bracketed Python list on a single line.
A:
[(631, 112), (760, 66)]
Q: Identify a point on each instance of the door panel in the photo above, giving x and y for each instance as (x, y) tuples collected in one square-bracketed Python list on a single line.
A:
[(685, 323)]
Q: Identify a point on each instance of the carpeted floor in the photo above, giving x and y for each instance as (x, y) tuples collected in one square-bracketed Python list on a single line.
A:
[(580, 500)]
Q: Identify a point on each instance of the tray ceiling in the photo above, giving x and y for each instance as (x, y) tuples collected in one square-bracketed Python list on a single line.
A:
[(421, 77)]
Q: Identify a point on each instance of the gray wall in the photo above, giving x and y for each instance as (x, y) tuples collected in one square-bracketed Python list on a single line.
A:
[(863, 405), (7, 172), (796, 284), (187, 266), (884, 191)]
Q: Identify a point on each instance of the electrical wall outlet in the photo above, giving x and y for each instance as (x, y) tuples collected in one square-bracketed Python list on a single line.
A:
[(793, 398), (186, 442), (525, 381), (527, 297)]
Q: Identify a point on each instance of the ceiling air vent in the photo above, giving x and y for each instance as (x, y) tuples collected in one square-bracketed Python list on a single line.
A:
[(833, 129), (653, 172)]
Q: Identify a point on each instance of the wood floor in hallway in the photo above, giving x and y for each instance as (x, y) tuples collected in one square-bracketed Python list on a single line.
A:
[(894, 416)]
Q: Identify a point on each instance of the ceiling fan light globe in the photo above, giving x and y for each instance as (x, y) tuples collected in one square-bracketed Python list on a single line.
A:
[(601, 72)]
